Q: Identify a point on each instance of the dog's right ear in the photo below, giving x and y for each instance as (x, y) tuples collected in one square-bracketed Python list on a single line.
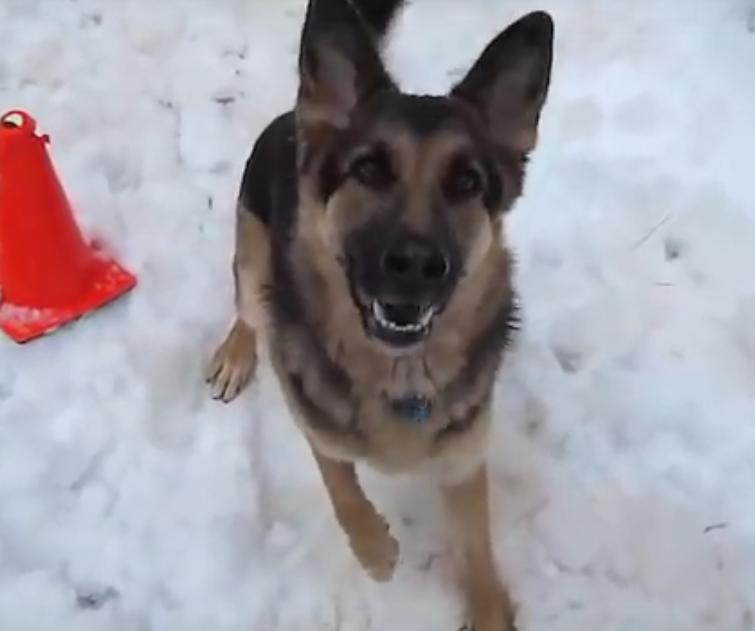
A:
[(509, 82), (339, 66)]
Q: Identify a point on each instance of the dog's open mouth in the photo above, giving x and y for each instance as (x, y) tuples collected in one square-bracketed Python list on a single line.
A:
[(400, 324)]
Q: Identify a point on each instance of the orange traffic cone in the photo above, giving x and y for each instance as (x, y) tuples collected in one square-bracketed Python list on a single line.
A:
[(48, 274)]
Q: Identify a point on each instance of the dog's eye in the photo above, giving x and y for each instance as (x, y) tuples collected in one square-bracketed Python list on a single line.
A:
[(463, 184), (372, 171)]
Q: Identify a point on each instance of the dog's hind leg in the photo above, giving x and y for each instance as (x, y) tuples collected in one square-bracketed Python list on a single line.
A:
[(234, 362), (487, 600)]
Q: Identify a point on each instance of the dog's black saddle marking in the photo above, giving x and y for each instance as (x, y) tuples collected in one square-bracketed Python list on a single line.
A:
[(269, 185)]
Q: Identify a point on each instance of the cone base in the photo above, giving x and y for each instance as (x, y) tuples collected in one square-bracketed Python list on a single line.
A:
[(109, 281)]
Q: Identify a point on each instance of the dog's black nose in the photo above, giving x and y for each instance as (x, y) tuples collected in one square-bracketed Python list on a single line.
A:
[(417, 259)]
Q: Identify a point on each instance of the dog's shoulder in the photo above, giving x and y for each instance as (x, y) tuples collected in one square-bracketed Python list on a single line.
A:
[(268, 186)]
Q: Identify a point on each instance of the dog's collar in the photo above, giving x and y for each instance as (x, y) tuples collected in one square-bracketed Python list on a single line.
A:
[(413, 408)]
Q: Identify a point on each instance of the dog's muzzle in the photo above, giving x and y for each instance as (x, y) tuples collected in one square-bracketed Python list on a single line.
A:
[(401, 289)]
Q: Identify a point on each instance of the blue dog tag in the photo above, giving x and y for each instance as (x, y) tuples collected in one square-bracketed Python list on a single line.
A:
[(414, 408)]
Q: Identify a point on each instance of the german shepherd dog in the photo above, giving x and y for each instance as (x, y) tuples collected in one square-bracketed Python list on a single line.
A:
[(371, 258)]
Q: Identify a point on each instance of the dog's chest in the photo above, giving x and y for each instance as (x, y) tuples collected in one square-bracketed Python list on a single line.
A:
[(391, 412), (399, 433)]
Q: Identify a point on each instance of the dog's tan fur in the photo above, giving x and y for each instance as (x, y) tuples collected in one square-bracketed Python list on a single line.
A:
[(336, 378)]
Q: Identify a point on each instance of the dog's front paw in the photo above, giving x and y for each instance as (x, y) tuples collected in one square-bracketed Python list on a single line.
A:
[(376, 550), (233, 364), (491, 611)]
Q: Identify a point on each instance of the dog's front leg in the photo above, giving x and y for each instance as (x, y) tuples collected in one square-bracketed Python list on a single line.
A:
[(366, 529), (234, 362), (487, 600)]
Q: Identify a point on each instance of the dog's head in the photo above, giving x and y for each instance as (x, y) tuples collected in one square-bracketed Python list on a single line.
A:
[(409, 191)]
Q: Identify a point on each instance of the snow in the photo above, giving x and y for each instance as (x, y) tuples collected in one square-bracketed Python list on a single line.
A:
[(624, 451), (10, 312)]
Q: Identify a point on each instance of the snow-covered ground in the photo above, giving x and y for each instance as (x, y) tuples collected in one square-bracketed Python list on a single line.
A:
[(624, 453)]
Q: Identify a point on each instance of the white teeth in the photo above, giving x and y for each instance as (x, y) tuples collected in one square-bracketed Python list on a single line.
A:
[(426, 317), (382, 319)]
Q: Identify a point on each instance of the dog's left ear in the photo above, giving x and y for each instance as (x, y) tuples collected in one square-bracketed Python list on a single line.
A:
[(339, 66), (509, 82)]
